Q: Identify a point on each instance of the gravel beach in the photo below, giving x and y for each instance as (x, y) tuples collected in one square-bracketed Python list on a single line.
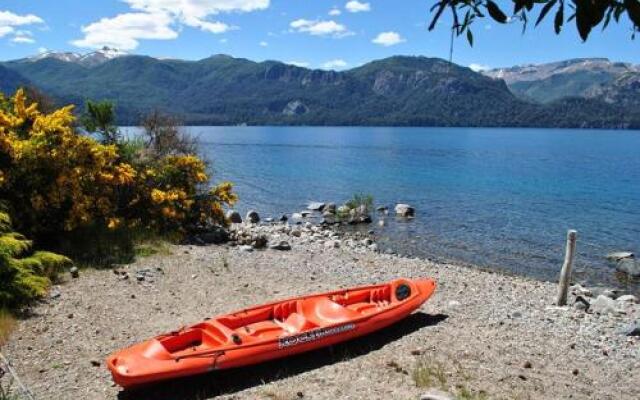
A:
[(482, 336)]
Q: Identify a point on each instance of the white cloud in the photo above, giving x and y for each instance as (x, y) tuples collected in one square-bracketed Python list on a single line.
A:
[(478, 67), (355, 6), (23, 39), (211, 27), (125, 30), (224, 40), (335, 64), (42, 49), (302, 64), (194, 13), (23, 36), (9, 21), (388, 39), (320, 28), (334, 12), (161, 19), (264, 44)]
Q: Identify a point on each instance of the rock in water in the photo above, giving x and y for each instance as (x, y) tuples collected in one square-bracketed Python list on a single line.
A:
[(619, 255), (316, 206), (405, 210), (283, 218), (234, 217), (282, 245), (629, 266), (330, 208), (253, 217)]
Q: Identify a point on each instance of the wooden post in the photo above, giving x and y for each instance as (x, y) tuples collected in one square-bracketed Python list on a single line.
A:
[(565, 274)]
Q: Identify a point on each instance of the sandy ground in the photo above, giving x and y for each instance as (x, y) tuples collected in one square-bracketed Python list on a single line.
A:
[(483, 335)]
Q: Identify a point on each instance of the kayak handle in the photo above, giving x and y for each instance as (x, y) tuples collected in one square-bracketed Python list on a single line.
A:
[(215, 354)]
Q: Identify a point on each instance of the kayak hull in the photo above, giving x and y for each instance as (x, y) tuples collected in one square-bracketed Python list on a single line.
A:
[(269, 332)]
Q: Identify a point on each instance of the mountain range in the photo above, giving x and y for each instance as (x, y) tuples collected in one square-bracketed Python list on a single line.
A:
[(399, 90), (583, 77)]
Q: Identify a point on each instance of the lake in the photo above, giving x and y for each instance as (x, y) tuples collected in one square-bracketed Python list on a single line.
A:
[(497, 198)]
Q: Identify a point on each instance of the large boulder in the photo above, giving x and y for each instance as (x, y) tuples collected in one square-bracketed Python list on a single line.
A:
[(629, 266), (234, 217), (405, 210), (253, 217)]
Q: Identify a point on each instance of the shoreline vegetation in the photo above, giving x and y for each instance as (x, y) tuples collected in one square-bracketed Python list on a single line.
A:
[(80, 190)]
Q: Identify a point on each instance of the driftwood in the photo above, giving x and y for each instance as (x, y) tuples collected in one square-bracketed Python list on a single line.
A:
[(565, 273)]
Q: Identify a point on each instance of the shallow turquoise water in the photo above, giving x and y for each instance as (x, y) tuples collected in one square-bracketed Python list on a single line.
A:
[(502, 198)]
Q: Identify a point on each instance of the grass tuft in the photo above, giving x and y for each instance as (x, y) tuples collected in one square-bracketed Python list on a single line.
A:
[(430, 374)]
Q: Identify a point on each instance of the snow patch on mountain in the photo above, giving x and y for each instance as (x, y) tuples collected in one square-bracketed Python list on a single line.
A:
[(88, 60)]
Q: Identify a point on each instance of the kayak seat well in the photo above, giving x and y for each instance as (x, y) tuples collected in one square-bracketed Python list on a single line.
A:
[(188, 341), (322, 311), (366, 301)]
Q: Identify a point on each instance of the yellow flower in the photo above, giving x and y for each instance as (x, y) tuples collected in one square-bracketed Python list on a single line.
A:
[(157, 196), (114, 223)]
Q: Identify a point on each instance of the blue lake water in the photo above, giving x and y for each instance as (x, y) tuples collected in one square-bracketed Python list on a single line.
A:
[(499, 198)]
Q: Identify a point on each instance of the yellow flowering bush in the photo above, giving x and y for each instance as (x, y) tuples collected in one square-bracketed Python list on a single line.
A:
[(56, 179), (176, 200)]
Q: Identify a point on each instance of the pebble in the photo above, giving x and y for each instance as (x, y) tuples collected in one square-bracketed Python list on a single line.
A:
[(436, 394), (75, 273), (282, 245)]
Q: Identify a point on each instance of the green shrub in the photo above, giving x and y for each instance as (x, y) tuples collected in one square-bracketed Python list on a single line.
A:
[(24, 275)]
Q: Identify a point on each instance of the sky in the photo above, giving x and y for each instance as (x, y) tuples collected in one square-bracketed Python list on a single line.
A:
[(327, 34)]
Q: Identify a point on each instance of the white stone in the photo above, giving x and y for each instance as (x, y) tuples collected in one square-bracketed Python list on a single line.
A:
[(436, 394)]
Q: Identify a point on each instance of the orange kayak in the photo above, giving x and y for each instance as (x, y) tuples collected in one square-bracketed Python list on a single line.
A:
[(269, 331)]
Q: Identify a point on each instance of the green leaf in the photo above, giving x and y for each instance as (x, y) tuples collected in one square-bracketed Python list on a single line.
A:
[(545, 10), (436, 17), (633, 9), (470, 37), (583, 19), (495, 12), (559, 19), (607, 18)]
